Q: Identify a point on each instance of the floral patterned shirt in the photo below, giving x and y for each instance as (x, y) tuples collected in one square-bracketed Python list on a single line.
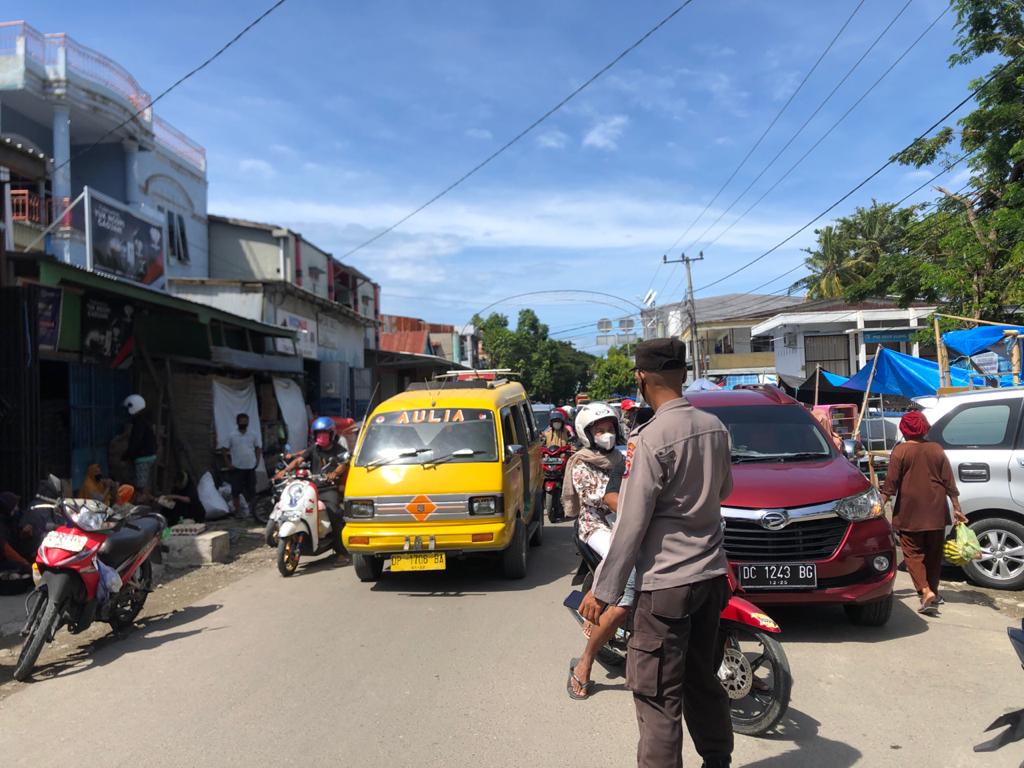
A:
[(589, 484)]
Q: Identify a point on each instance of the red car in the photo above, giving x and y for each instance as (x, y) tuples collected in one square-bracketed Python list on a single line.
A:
[(802, 525)]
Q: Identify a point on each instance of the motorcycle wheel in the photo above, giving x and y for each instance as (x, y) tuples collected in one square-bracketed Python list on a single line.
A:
[(44, 626), (755, 674), (140, 584), (262, 507), (289, 550), (270, 533), (551, 509)]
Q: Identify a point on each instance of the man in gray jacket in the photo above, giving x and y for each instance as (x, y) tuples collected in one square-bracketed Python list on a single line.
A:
[(678, 471)]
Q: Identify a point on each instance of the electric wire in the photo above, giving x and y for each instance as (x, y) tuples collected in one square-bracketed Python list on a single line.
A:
[(515, 139), (174, 85)]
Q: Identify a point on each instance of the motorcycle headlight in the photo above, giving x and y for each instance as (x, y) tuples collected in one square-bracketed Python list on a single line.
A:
[(359, 508), (484, 505), (91, 520), (863, 506)]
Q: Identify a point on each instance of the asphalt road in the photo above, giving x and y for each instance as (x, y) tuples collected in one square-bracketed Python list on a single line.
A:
[(463, 668)]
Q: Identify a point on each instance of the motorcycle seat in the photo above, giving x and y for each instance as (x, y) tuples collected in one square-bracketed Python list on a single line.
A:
[(128, 540)]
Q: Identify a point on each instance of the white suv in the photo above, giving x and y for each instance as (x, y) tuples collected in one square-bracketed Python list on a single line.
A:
[(984, 440)]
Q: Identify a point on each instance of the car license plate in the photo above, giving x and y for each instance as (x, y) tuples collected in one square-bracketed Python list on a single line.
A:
[(66, 541), (778, 575), (418, 561)]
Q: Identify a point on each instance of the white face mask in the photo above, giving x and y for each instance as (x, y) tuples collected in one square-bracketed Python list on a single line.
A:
[(605, 441)]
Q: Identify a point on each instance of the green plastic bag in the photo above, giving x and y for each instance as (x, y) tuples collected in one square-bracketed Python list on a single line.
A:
[(970, 547)]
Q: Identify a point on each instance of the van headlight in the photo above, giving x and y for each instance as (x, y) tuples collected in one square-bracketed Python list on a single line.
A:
[(359, 508), (863, 506), (485, 505)]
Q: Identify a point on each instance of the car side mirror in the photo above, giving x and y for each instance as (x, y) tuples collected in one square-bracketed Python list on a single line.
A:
[(850, 449), (514, 450)]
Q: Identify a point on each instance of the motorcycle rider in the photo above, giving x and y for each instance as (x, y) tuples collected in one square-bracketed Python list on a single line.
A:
[(589, 471), (326, 450), (557, 434)]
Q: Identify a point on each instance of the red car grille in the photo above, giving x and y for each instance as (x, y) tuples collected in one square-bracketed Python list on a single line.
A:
[(747, 541)]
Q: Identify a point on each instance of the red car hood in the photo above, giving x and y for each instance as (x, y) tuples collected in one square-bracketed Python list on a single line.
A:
[(793, 484)]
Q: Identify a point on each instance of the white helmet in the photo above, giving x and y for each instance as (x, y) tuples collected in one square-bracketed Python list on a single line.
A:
[(591, 413), (134, 404)]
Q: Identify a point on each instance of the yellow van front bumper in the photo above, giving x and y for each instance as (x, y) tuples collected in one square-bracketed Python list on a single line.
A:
[(385, 538)]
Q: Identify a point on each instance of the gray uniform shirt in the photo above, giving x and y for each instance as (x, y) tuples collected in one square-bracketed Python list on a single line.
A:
[(669, 524)]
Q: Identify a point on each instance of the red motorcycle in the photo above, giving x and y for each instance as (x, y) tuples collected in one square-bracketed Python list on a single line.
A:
[(553, 460), (95, 566), (754, 670)]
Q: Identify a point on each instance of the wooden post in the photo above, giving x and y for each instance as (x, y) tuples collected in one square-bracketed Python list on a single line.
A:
[(1014, 356), (867, 391), (940, 355)]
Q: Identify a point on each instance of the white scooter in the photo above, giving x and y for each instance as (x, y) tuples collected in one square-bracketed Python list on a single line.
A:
[(302, 527)]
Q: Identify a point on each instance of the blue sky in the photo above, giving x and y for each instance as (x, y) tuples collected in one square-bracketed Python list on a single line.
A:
[(338, 118)]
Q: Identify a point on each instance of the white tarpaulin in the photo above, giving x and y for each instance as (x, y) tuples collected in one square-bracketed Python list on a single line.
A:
[(230, 398), (293, 411)]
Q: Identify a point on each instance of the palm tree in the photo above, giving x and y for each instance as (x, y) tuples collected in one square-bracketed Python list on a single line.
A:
[(833, 267)]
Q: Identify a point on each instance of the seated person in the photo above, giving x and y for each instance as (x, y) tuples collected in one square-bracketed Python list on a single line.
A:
[(96, 486)]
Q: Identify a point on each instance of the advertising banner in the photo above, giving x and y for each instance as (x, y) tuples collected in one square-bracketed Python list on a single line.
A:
[(124, 243), (108, 326), (305, 334), (48, 321)]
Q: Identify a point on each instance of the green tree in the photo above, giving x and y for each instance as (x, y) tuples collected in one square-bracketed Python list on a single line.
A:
[(551, 371), (969, 254), (612, 375)]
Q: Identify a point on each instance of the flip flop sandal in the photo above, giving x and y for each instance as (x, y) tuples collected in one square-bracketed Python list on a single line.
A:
[(587, 687), (929, 610)]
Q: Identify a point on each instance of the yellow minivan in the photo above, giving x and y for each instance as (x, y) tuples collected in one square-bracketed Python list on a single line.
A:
[(447, 469)]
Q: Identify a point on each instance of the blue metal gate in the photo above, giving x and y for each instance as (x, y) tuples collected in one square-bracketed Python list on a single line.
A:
[(95, 395)]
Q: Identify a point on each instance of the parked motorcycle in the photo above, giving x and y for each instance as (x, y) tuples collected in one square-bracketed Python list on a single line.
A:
[(754, 671), (297, 526), (553, 459), (1013, 722), (96, 565)]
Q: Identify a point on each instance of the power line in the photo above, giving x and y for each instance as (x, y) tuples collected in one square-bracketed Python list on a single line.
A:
[(825, 135), (771, 125), (587, 83), (174, 85), (869, 178)]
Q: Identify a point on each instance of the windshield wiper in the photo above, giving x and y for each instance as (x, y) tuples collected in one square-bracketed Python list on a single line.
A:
[(403, 454), (459, 454), (741, 457), (802, 455)]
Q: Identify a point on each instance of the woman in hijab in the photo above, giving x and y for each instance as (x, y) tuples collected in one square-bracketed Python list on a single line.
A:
[(921, 479), (95, 486)]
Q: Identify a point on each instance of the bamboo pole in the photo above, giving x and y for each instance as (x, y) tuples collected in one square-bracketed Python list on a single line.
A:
[(940, 351), (1014, 356), (867, 392), (817, 383), (970, 320)]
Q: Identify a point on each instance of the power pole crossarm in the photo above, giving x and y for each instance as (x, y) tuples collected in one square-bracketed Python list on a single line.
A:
[(691, 309)]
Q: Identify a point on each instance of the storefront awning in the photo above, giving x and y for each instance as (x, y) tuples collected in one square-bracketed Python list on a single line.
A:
[(383, 359)]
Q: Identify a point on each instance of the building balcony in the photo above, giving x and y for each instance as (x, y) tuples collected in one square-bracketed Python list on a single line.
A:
[(29, 207), (56, 63)]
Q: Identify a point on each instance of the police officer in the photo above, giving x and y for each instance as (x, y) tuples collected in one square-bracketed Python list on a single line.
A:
[(669, 526)]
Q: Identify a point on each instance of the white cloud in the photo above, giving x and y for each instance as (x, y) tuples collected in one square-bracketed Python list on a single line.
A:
[(652, 92), (252, 166), (606, 133), (724, 141), (552, 139), (479, 133), (283, 149)]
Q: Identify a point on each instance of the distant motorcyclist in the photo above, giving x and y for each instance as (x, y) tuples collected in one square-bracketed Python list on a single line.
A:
[(557, 434), (328, 452)]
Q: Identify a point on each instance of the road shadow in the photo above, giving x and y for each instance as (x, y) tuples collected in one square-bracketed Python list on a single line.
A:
[(829, 624), (478, 575), (812, 750), (331, 562), (101, 651)]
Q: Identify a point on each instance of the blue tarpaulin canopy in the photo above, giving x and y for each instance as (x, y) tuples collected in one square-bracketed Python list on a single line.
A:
[(975, 340), (833, 378), (899, 374)]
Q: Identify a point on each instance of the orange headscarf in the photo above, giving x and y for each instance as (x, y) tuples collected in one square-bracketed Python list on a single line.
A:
[(92, 488)]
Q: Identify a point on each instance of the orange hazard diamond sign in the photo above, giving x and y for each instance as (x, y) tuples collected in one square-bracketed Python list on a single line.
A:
[(421, 507)]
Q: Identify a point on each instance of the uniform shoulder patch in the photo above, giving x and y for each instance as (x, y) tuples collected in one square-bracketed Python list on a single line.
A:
[(630, 450)]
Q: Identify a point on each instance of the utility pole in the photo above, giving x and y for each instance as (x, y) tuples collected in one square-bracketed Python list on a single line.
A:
[(691, 308)]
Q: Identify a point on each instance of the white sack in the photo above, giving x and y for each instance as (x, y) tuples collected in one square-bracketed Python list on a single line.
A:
[(293, 411), (214, 504)]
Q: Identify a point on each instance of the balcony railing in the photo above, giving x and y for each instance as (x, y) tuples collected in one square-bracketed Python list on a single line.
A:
[(30, 207), (63, 57)]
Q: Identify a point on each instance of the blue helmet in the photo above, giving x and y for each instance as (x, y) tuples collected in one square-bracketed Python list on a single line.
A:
[(323, 424)]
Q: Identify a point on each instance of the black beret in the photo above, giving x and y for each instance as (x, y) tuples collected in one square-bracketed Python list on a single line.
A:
[(661, 355)]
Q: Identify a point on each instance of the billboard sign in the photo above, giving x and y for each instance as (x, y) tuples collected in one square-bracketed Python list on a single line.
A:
[(305, 334), (123, 242)]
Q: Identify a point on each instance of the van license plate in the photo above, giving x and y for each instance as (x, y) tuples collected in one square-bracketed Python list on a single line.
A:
[(778, 575), (418, 561)]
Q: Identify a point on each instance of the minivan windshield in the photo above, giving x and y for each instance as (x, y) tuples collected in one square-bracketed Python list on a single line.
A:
[(772, 433), (429, 436)]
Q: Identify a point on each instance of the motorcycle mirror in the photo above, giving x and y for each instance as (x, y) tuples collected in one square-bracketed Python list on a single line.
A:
[(53, 483)]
